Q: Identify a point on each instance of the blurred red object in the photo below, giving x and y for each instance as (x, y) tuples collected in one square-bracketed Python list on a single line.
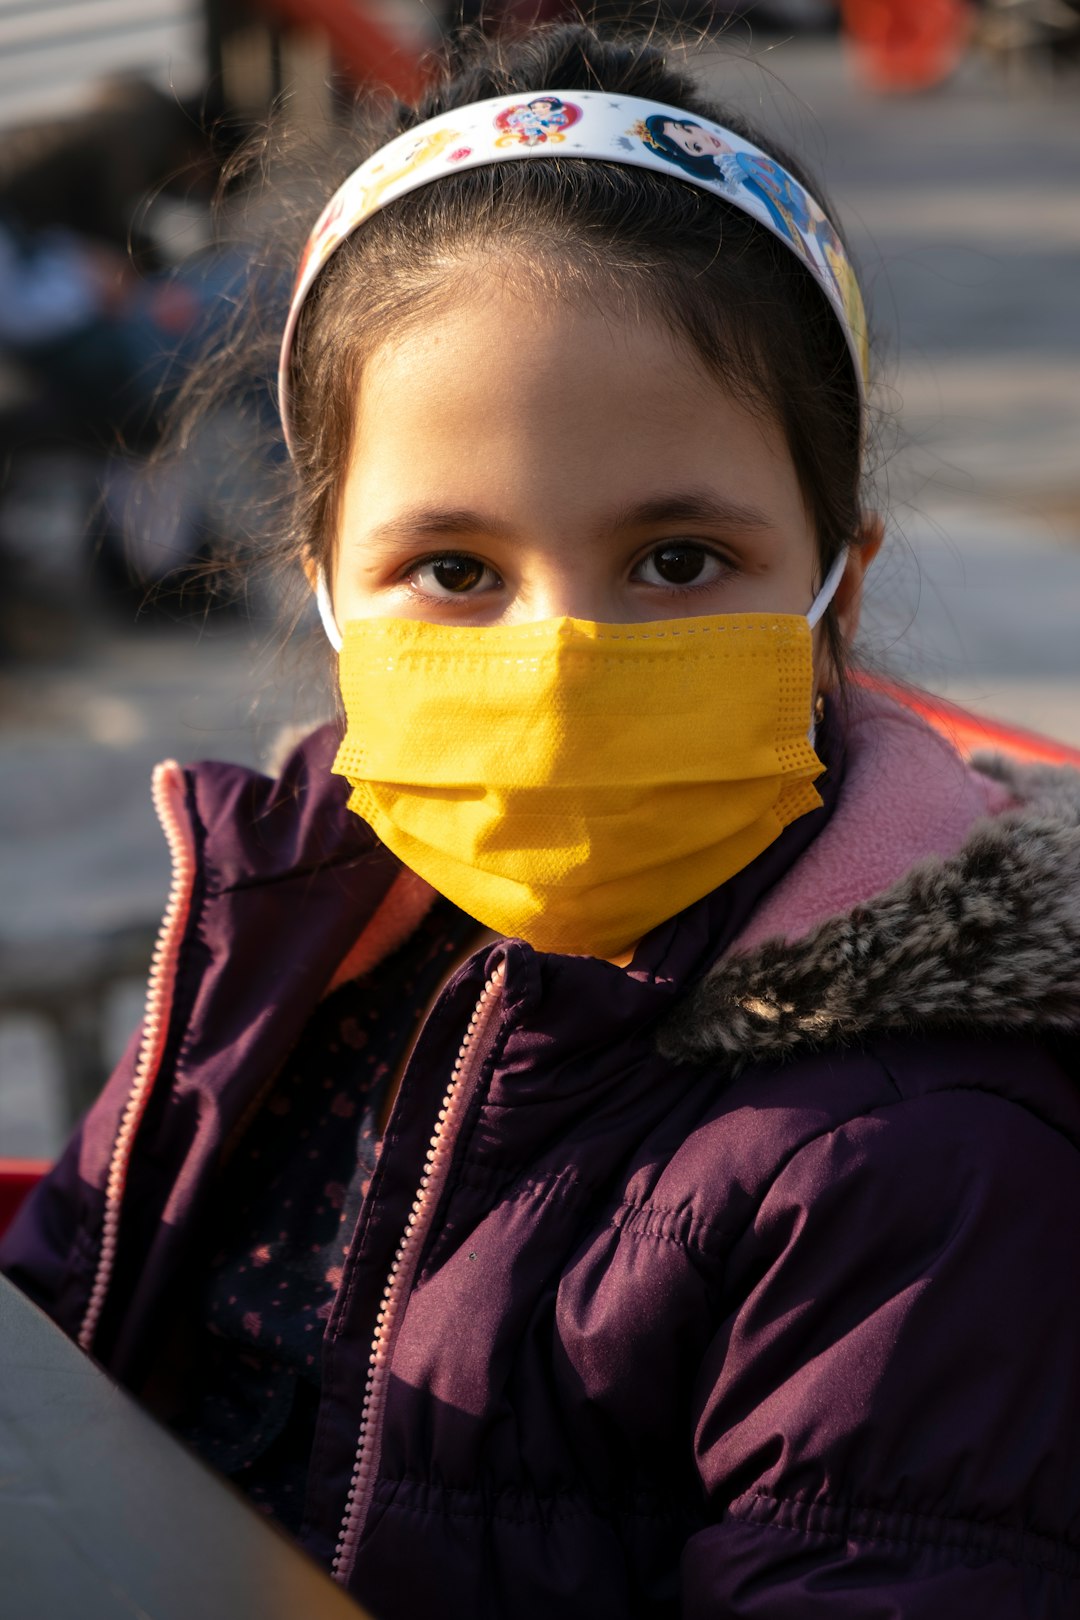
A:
[(17, 1176), (973, 733), (368, 51), (900, 45)]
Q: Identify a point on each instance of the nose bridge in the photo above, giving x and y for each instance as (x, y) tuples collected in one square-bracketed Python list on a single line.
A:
[(568, 582)]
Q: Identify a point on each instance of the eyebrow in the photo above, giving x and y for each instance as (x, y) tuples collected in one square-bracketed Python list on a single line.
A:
[(684, 506), (435, 523), (691, 506)]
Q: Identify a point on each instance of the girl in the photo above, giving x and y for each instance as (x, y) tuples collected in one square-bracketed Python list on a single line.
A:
[(604, 1135)]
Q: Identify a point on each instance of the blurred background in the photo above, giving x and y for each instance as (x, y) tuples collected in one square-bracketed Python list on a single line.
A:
[(948, 133)]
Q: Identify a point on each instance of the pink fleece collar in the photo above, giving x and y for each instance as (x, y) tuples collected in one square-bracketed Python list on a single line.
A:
[(906, 794)]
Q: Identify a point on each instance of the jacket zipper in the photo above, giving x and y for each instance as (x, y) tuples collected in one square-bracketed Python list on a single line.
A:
[(402, 1270), (168, 789)]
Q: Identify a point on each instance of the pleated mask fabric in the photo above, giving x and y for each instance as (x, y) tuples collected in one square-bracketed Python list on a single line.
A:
[(574, 784)]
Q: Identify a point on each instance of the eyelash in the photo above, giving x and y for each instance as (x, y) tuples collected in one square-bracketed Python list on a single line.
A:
[(408, 574), (726, 566)]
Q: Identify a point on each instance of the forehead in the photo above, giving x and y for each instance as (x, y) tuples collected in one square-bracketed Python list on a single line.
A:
[(520, 402)]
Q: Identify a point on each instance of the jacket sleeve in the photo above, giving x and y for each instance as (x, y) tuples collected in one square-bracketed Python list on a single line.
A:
[(887, 1423), (50, 1249)]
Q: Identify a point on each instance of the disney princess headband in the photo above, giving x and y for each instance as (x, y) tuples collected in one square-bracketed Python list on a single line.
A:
[(588, 124)]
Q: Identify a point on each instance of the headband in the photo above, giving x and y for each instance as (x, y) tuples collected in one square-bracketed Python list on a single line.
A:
[(589, 124)]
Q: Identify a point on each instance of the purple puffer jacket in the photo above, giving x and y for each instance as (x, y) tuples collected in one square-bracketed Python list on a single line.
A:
[(727, 1289)]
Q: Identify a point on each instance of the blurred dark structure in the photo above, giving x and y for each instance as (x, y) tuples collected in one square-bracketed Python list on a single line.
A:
[(1016, 32)]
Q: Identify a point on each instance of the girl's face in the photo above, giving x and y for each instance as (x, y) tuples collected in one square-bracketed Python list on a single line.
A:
[(694, 141), (524, 459)]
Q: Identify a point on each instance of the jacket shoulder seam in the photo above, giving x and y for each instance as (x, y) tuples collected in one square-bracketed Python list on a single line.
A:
[(1021, 1104), (729, 1239)]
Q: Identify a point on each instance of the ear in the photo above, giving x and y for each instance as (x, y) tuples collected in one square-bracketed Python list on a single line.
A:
[(848, 599), (311, 571)]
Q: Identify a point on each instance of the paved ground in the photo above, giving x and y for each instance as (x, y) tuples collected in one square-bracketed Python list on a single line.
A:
[(964, 208)]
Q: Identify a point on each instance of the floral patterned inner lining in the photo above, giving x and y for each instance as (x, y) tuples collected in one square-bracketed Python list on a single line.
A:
[(286, 1213)]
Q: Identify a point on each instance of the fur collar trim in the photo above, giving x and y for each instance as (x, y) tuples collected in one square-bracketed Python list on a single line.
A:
[(985, 938)]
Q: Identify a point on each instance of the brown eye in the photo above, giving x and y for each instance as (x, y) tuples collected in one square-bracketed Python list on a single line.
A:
[(456, 574), (679, 564), (452, 573)]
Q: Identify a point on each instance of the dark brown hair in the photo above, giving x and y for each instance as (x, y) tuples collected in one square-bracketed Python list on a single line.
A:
[(741, 299)]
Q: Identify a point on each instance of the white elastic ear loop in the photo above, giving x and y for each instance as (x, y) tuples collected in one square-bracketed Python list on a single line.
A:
[(828, 589), (820, 603), (326, 611)]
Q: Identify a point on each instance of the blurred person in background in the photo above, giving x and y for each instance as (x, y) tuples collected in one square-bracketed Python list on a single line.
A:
[(110, 288), (108, 347), (91, 306)]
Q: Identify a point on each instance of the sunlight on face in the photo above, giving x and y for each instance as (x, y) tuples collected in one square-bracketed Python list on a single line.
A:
[(522, 459)]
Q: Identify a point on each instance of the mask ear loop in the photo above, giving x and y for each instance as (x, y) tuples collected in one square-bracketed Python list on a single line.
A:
[(818, 608), (326, 611), (828, 590)]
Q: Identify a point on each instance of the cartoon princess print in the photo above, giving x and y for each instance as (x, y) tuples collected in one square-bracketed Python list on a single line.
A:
[(695, 150), (843, 279), (796, 216), (536, 122), (425, 150), (326, 236), (705, 156), (817, 231), (355, 202)]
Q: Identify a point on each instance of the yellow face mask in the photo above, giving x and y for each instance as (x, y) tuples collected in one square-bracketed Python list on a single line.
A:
[(574, 784)]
